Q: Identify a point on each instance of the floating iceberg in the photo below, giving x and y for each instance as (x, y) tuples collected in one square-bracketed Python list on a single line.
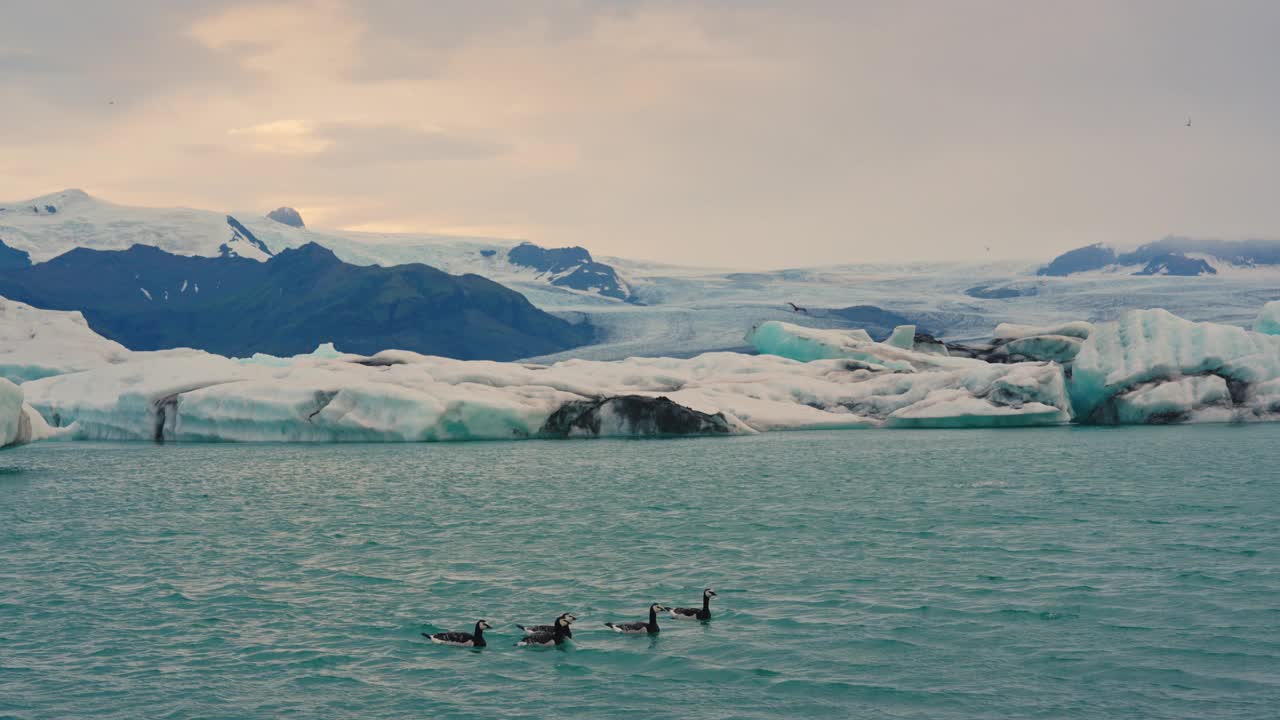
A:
[(1148, 367), (19, 422), (1152, 366), (403, 396), (37, 343), (11, 413), (1268, 322), (907, 382)]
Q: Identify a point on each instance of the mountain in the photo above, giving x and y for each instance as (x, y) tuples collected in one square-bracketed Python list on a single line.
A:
[(1178, 256), (678, 310), (287, 216), (1090, 257), (50, 225), (571, 267), (13, 259), (147, 299)]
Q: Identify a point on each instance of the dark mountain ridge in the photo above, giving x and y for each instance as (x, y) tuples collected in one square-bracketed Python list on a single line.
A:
[(148, 299), (1168, 256)]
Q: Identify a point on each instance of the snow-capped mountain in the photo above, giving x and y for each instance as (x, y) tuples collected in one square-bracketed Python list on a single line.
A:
[(1186, 257), (650, 308), (50, 225)]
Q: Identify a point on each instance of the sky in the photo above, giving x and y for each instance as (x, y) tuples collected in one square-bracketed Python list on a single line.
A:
[(749, 133)]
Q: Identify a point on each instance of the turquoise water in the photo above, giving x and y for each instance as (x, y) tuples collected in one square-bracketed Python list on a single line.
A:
[(1127, 572)]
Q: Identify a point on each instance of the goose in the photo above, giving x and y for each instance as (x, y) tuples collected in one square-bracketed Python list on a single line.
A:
[(462, 639), (634, 628), (568, 632), (556, 636), (695, 613)]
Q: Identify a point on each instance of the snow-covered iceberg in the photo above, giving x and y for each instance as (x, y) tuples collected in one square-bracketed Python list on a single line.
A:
[(1148, 367), (403, 396), (912, 381), (19, 422), (1268, 322), (37, 343), (1151, 366), (11, 414)]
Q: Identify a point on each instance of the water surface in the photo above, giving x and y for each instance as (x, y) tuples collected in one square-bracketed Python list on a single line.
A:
[(1127, 572)]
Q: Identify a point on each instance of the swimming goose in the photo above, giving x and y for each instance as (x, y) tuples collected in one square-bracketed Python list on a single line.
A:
[(639, 627), (695, 613), (462, 639), (568, 632), (556, 636)]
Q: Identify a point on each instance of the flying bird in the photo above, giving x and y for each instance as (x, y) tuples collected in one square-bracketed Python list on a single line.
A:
[(1188, 121), (797, 309)]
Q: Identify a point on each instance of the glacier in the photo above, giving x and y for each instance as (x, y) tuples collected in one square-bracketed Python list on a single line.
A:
[(678, 310)]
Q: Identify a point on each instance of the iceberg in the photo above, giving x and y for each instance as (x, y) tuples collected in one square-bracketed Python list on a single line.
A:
[(1268, 322), (901, 352), (19, 422), (11, 413), (1148, 367), (1151, 366), (399, 396), (37, 343), (1076, 329)]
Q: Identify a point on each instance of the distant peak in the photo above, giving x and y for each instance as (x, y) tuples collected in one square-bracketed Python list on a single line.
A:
[(49, 204), (287, 216), (310, 252), (62, 198)]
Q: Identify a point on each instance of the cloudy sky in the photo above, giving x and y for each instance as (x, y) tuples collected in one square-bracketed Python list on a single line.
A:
[(745, 133)]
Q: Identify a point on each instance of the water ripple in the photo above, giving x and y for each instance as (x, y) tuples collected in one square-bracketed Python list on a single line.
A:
[(881, 575)]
